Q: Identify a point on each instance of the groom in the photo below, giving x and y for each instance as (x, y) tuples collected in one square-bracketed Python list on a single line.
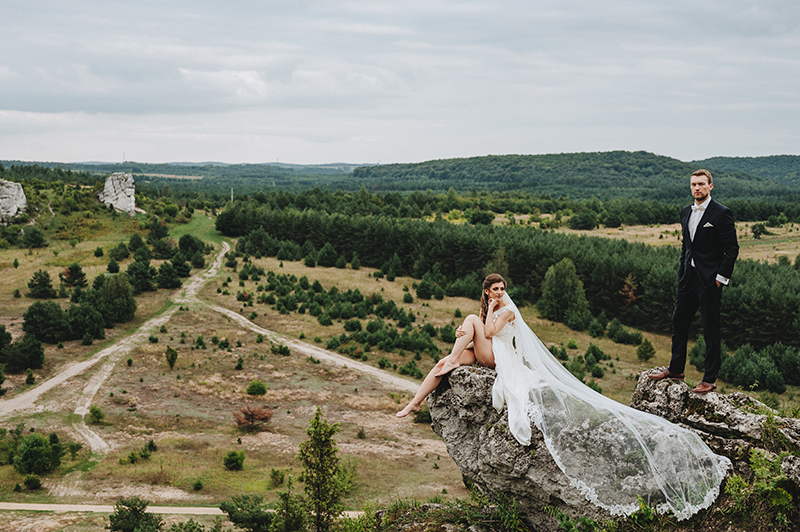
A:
[(709, 250)]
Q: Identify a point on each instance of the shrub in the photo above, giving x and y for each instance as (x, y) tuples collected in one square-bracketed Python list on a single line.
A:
[(233, 461), (353, 325), (96, 414), (276, 477), (248, 512), (447, 334), (645, 351), (35, 455), (153, 339), (171, 356), (572, 344), (408, 298), (32, 482), (595, 329), (256, 387), (333, 343), (130, 515), (197, 485), (280, 349)]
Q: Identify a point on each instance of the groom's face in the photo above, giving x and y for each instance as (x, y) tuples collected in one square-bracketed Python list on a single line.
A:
[(701, 188)]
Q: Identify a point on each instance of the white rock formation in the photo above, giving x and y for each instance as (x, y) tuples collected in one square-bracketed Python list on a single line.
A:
[(119, 192), (12, 200)]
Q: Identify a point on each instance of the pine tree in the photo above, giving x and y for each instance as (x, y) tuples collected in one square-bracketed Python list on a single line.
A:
[(321, 468), (172, 356), (41, 286), (73, 276), (645, 351)]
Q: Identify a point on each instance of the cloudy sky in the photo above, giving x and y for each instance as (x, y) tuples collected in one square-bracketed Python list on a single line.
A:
[(367, 81)]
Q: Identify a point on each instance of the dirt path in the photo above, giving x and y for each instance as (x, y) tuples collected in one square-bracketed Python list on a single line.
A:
[(27, 400), (322, 354), (188, 295)]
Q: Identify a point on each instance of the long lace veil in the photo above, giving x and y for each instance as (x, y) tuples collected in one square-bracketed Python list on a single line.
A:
[(612, 453)]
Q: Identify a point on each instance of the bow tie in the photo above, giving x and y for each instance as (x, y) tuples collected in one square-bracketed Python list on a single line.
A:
[(696, 207)]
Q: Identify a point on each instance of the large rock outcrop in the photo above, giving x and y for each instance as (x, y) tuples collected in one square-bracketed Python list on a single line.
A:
[(119, 192), (487, 454), (12, 200)]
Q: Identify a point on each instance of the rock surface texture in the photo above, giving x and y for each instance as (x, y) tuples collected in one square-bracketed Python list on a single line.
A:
[(482, 447), (119, 192), (12, 200)]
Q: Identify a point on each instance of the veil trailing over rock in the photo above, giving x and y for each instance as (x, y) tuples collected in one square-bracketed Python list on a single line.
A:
[(612, 454)]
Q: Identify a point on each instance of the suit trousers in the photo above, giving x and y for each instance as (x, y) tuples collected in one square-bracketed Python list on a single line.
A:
[(689, 297)]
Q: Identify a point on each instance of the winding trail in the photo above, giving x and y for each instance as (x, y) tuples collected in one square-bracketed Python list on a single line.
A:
[(112, 354)]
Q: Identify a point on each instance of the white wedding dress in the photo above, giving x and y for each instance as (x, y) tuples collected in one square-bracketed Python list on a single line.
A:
[(612, 453)]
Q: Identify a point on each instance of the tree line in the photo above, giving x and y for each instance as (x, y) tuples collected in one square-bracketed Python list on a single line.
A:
[(630, 281)]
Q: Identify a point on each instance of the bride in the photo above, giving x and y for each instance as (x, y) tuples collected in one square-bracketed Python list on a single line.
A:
[(475, 330), (613, 454)]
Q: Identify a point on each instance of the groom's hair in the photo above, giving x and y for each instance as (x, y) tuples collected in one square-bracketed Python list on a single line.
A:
[(703, 173)]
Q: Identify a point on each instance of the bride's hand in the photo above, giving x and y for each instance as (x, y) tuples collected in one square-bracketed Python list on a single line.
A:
[(492, 304), (460, 331)]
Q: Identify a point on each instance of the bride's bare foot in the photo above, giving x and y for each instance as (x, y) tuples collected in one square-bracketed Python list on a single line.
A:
[(407, 410), (447, 367)]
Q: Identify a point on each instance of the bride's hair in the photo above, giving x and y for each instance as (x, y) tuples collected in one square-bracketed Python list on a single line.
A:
[(489, 281)]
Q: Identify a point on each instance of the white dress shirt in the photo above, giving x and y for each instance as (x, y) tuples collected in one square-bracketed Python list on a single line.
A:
[(694, 221)]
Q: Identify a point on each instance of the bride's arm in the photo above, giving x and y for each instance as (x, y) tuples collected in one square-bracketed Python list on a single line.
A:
[(493, 327)]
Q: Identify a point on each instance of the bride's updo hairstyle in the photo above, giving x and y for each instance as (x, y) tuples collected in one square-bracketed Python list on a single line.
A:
[(489, 281)]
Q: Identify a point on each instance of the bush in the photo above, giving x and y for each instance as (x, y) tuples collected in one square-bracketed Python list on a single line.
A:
[(595, 329), (276, 477), (130, 515), (248, 512), (26, 353), (35, 455), (233, 461), (333, 343), (645, 351), (280, 349), (408, 298), (619, 335), (96, 414), (447, 334), (256, 387), (32, 482), (197, 485), (353, 325)]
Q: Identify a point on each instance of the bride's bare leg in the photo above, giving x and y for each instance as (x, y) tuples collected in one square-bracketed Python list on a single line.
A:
[(431, 382), (473, 329)]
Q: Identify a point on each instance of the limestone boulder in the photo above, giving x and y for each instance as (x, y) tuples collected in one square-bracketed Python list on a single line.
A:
[(12, 200), (478, 440), (119, 191)]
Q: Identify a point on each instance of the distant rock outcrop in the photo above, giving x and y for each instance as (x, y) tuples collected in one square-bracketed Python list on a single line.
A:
[(119, 192), (12, 200), (483, 448)]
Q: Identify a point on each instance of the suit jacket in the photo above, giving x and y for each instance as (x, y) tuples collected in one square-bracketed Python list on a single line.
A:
[(714, 248)]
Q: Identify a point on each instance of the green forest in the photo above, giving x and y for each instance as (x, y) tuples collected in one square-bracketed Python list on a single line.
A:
[(603, 175)]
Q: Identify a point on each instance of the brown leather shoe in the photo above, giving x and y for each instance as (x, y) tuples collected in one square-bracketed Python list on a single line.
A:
[(704, 387), (667, 375)]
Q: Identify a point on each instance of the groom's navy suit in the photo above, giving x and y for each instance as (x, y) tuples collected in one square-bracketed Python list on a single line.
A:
[(714, 250)]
